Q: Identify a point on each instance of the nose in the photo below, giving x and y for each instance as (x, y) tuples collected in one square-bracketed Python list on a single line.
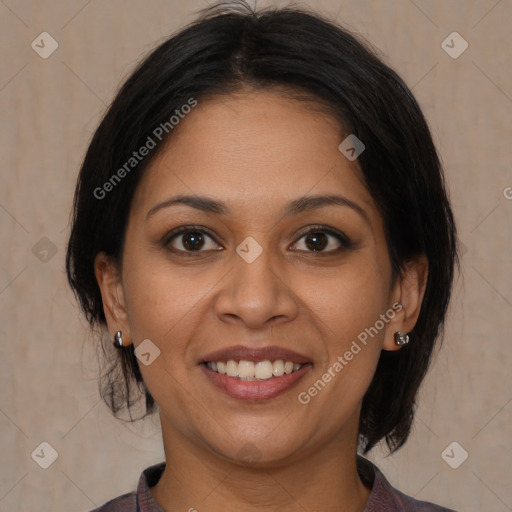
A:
[(256, 292)]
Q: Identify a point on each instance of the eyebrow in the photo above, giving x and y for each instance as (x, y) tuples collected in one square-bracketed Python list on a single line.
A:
[(300, 205)]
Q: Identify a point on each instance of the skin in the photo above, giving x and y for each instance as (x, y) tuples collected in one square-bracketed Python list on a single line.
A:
[(256, 151)]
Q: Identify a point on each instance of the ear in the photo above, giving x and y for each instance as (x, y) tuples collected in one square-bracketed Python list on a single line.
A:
[(407, 296), (109, 280)]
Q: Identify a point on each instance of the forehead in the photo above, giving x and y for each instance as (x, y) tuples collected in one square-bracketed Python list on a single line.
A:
[(251, 149)]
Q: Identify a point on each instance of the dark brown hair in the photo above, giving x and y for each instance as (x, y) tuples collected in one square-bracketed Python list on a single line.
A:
[(231, 47)]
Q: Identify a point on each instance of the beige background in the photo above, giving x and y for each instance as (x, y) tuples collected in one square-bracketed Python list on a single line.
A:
[(50, 108)]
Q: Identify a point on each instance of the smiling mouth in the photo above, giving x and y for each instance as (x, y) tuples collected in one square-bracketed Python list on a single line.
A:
[(254, 370)]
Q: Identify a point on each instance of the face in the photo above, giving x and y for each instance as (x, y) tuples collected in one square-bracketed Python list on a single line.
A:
[(254, 272)]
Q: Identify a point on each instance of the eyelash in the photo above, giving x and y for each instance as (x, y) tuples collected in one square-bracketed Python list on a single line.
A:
[(345, 242)]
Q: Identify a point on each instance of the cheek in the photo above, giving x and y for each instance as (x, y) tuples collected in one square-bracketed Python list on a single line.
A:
[(348, 311), (353, 300), (164, 307), (160, 302)]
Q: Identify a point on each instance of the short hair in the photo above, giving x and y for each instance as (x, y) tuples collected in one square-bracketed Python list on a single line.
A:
[(224, 50)]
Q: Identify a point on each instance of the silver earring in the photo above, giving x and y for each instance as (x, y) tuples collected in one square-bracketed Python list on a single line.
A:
[(118, 339), (401, 339)]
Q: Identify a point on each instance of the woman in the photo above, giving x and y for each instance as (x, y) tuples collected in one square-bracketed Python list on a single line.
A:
[(262, 226)]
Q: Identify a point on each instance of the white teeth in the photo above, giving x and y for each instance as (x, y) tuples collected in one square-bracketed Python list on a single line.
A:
[(232, 368), (278, 368), (263, 370), (245, 369), (248, 370)]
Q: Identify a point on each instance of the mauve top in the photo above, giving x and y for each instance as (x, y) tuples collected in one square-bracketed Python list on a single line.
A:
[(383, 497)]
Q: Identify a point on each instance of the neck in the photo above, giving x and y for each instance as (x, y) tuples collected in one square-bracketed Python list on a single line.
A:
[(198, 479)]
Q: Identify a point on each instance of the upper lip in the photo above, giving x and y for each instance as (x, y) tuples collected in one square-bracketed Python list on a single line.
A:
[(241, 352)]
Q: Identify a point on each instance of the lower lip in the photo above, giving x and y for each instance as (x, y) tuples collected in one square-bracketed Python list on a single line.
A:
[(255, 389)]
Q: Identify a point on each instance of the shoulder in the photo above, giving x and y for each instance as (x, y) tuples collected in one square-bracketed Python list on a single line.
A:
[(141, 498), (409, 503), (384, 497), (125, 503)]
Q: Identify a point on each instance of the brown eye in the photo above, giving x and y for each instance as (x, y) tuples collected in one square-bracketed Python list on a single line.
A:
[(318, 239), (190, 240)]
